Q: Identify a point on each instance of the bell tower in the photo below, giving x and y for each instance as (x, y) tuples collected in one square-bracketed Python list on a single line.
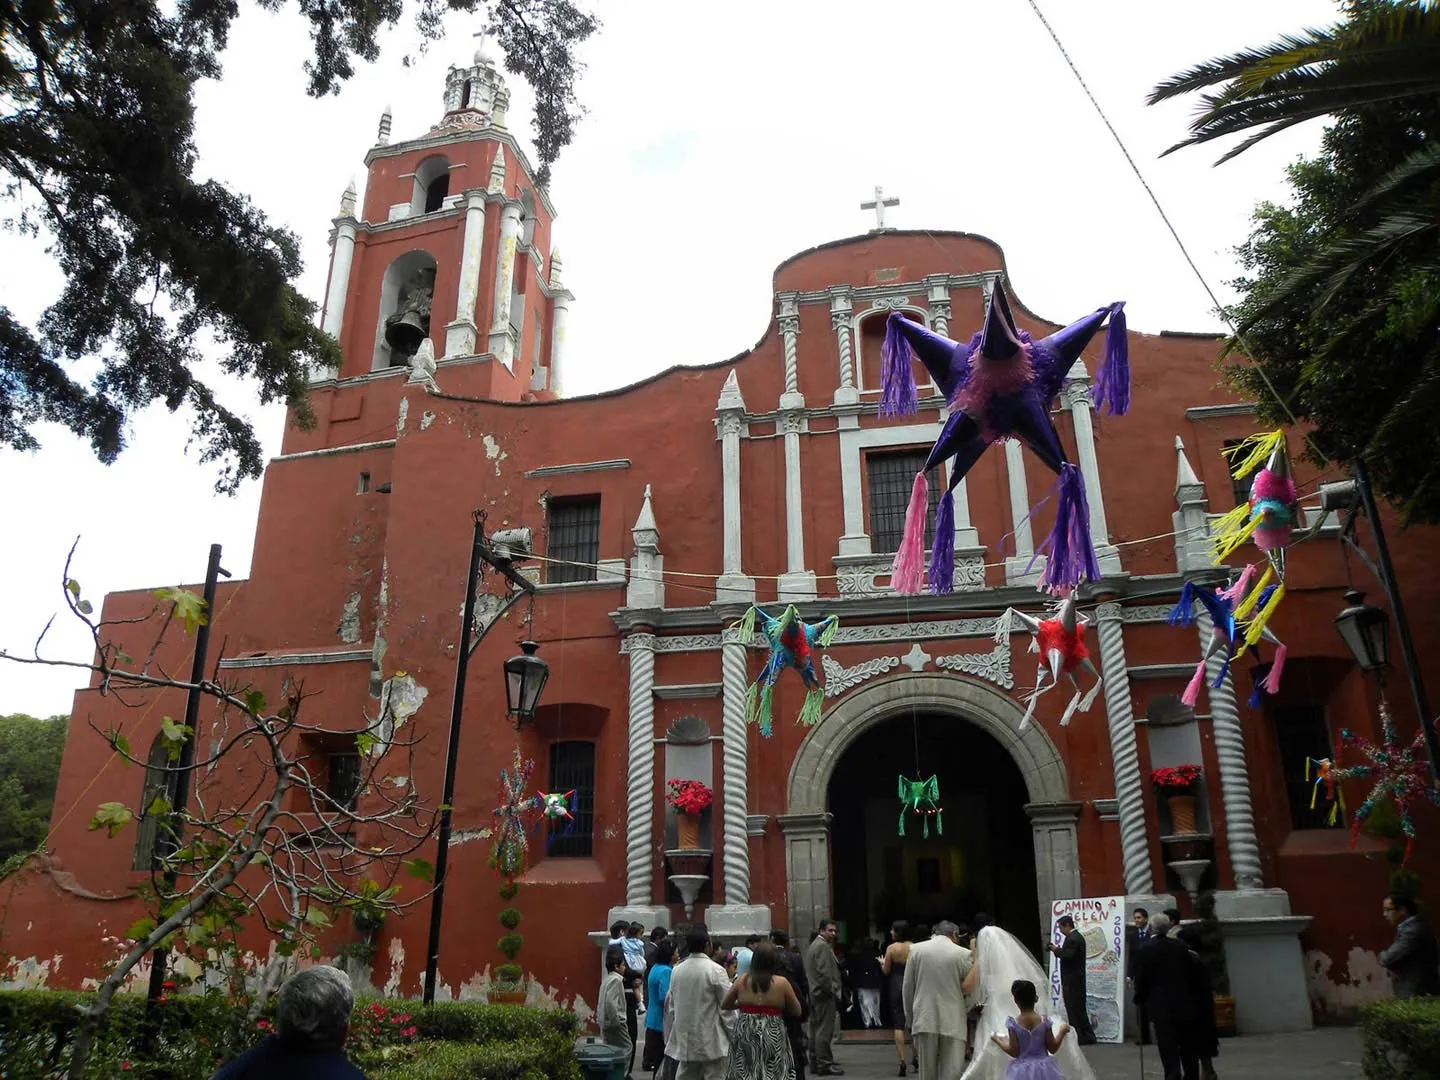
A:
[(445, 260)]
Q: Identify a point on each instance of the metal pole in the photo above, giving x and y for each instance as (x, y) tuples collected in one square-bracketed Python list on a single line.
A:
[(179, 782), (1402, 624), (457, 708)]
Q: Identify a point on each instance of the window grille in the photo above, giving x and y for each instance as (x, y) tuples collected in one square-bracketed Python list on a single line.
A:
[(342, 779), (892, 475), (1303, 732), (572, 766), (574, 539)]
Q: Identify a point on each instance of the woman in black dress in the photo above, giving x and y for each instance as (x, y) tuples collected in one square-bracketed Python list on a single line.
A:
[(897, 955)]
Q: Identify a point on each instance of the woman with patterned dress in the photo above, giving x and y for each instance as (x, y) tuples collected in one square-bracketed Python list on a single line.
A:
[(759, 1044), (1029, 1039)]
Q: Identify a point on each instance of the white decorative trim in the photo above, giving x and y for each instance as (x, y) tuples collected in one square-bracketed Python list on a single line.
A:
[(840, 679), (349, 656), (687, 691), (331, 451), (1107, 809), (578, 467), (916, 659), (886, 304), (1143, 613), (855, 575), (1211, 412), (925, 630), (993, 666)]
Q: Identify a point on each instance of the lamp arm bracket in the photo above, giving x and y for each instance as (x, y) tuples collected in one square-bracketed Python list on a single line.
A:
[(498, 615), (1347, 537)]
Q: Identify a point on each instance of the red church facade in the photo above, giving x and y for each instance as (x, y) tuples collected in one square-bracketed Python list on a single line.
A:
[(659, 513)]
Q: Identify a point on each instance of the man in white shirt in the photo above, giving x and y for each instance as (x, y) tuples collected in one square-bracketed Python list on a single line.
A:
[(696, 1034), (934, 996)]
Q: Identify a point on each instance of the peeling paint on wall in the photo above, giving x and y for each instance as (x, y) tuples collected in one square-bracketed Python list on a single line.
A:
[(493, 452), (426, 419), (403, 414), (349, 628), (30, 973), (1364, 981)]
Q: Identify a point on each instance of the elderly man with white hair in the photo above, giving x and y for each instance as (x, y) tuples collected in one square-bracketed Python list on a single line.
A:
[(312, 1016)]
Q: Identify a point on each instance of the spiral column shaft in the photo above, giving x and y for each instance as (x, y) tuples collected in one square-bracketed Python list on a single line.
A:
[(735, 772), (1120, 717), (640, 782), (1234, 776)]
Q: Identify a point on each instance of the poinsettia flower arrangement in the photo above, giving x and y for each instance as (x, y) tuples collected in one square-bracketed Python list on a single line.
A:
[(1176, 780), (689, 796)]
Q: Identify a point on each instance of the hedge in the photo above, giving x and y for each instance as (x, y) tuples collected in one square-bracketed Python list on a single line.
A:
[(1401, 1039), (196, 1032)]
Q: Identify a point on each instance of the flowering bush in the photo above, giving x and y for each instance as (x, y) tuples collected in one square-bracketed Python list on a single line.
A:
[(689, 796), (378, 1025), (1175, 780)]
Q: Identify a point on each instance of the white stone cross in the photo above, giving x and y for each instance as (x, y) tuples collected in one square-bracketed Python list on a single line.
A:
[(878, 204)]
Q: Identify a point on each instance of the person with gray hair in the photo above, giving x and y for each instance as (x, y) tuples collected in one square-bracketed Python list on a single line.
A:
[(938, 975), (312, 1017), (1167, 978)]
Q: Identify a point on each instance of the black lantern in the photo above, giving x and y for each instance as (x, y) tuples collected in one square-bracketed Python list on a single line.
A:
[(1365, 630), (525, 678)]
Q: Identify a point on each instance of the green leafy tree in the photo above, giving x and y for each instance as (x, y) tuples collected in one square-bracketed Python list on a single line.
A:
[(30, 751), (1340, 299), (264, 839), (97, 154)]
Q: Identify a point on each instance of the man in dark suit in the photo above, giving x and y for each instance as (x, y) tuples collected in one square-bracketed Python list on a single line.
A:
[(1166, 976), (792, 966), (1136, 935), (1072, 979), (1412, 958)]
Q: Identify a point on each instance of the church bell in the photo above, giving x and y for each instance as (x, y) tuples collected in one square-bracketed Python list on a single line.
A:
[(405, 334)]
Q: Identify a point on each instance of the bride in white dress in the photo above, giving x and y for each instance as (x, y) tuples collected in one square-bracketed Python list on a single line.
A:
[(1002, 960)]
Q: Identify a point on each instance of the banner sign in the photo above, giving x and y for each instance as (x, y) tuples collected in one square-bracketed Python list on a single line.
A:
[(1102, 923)]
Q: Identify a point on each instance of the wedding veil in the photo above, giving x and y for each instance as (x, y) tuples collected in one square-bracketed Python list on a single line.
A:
[(1003, 960)]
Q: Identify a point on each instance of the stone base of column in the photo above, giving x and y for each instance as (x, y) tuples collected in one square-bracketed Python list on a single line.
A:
[(847, 395), (1265, 961), (647, 915), (731, 924), (734, 589), (1015, 570), (501, 346), (797, 586), (790, 402), (460, 338)]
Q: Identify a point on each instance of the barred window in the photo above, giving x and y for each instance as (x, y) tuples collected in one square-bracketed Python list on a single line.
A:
[(892, 475), (574, 540), (1303, 732), (572, 767), (1239, 485), (342, 778)]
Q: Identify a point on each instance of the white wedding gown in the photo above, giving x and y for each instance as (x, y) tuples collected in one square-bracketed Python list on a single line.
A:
[(1003, 960)]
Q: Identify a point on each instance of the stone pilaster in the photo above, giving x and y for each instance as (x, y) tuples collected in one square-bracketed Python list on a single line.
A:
[(1120, 717), (807, 870), (732, 586), (1057, 861), (840, 311), (342, 256), (501, 344), (1024, 535), (1234, 776), (790, 331), (1076, 397), (640, 772), (1191, 517), (937, 288), (797, 583), (460, 335), (560, 315)]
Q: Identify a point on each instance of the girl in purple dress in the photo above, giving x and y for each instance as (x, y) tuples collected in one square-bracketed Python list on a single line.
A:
[(1029, 1039)]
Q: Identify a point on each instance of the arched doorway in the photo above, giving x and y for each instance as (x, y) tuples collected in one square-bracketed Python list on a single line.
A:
[(961, 703), (982, 861)]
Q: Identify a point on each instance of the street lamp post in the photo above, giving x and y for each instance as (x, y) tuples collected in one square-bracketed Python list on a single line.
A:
[(500, 553)]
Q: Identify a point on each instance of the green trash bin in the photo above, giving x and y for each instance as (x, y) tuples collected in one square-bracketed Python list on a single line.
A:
[(599, 1061)]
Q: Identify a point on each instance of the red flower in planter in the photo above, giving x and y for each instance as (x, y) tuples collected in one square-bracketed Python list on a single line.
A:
[(1176, 780), (689, 796)]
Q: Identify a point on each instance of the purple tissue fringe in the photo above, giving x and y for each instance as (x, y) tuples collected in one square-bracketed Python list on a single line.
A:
[(898, 396), (1112, 382), (942, 548), (1070, 554)]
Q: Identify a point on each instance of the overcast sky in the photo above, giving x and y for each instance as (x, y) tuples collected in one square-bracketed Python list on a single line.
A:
[(720, 140)]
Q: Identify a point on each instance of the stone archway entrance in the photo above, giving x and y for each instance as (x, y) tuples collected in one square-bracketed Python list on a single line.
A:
[(806, 825)]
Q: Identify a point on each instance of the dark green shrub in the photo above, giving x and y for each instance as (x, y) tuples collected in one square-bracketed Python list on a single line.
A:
[(510, 945), (549, 1057), (509, 973), (508, 890), (1401, 1039), (510, 918)]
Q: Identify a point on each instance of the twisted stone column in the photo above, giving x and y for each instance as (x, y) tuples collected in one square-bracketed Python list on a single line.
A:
[(735, 771), (640, 782), (940, 318), (789, 321), (1234, 777), (1120, 717)]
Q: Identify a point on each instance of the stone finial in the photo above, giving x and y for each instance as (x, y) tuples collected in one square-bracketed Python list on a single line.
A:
[(645, 530), (422, 364), (497, 172), (1184, 473), (647, 567), (730, 398), (382, 138), (347, 200), (555, 267)]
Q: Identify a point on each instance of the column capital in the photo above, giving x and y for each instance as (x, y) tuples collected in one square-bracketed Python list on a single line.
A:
[(475, 199), (1076, 393), (638, 641), (1054, 813), (814, 821), (937, 288), (789, 303), (790, 325), (1109, 611), (839, 299)]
